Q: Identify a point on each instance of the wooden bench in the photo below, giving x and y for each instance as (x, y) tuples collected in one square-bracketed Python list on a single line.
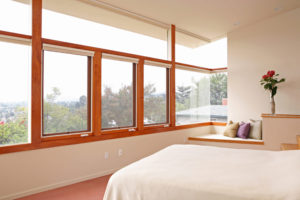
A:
[(224, 139)]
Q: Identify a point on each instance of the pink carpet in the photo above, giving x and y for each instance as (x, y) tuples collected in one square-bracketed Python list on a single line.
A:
[(88, 190)]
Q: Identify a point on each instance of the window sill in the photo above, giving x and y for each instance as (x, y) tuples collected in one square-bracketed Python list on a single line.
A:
[(76, 138)]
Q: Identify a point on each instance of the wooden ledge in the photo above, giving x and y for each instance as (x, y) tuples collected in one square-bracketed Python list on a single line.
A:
[(223, 139), (279, 116)]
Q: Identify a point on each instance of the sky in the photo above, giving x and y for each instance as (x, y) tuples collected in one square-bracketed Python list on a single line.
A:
[(68, 72)]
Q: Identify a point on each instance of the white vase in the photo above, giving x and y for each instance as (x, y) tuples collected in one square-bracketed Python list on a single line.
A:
[(272, 105)]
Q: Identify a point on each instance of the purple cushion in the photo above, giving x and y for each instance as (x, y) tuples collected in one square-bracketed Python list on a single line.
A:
[(243, 131)]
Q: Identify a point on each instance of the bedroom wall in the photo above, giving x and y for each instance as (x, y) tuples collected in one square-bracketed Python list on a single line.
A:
[(29, 172), (253, 50)]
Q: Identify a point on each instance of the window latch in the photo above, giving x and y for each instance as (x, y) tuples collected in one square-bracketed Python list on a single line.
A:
[(166, 125), (84, 135), (131, 129)]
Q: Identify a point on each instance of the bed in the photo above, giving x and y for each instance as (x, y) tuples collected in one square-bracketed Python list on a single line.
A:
[(190, 172)]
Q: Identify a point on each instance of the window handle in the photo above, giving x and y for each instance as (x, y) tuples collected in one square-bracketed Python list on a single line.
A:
[(131, 129)]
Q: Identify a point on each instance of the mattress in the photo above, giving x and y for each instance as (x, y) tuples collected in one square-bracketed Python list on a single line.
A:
[(190, 172)]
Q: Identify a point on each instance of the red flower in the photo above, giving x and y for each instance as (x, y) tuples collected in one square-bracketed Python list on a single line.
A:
[(271, 73), (1, 122), (265, 76)]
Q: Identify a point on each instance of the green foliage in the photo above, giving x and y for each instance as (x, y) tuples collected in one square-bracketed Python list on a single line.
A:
[(154, 106), (15, 131), (117, 108), (218, 88), (66, 116)]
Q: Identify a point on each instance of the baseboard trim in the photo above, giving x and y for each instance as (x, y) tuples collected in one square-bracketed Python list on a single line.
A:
[(56, 185)]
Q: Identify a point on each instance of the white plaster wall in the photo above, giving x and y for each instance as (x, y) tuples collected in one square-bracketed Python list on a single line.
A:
[(29, 172), (270, 44)]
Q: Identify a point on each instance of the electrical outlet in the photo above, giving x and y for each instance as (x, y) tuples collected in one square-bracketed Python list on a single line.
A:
[(106, 155), (120, 152)]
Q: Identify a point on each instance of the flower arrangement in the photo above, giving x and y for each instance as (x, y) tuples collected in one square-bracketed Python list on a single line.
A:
[(270, 81)]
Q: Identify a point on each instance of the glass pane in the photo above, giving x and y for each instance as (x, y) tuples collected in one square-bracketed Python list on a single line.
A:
[(15, 16), (88, 24), (192, 97), (155, 95), (65, 93), (15, 93), (117, 94), (193, 51), (218, 97)]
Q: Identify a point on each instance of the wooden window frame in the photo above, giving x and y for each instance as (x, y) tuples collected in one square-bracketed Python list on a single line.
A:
[(97, 134), (89, 94)]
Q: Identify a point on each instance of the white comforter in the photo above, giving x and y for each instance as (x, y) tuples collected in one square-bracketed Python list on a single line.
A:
[(190, 172)]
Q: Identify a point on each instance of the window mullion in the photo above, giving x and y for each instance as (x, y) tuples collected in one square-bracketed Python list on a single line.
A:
[(140, 95), (96, 111), (36, 88)]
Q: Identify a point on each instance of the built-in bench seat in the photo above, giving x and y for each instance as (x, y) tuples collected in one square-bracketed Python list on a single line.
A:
[(224, 139)]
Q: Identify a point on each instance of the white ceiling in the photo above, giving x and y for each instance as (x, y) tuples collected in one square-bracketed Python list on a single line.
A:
[(210, 19)]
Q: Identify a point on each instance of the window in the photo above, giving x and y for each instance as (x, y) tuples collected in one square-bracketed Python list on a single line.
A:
[(87, 23), (218, 97), (190, 50), (15, 93), (155, 94), (15, 16), (192, 96), (118, 93), (66, 105)]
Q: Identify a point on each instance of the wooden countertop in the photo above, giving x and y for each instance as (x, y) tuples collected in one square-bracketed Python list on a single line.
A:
[(279, 116)]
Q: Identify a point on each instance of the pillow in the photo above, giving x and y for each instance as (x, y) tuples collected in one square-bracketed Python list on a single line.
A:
[(243, 131), (255, 129), (231, 129)]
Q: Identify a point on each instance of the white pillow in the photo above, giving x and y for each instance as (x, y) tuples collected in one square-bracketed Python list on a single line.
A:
[(255, 129)]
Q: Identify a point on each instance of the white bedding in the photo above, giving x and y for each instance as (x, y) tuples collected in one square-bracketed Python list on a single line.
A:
[(190, 172)]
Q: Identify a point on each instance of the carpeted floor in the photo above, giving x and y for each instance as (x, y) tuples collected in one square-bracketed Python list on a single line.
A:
[(88, 190)]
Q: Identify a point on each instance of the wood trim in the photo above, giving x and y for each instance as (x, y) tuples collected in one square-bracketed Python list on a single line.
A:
[(226, 141), (178, 127), (17, 35), (168, 71), (36, 73), (66, 136), (140, 95), (154, 126), (218, 123), (194, 66), (286, 147), (89, 93), (134, 98), (96, 111), (48, 142), (217, 69), (172, 79), (280, 116)]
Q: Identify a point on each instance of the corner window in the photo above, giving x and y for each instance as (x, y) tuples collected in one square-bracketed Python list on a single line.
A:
[(218, 97), (192, 96)]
